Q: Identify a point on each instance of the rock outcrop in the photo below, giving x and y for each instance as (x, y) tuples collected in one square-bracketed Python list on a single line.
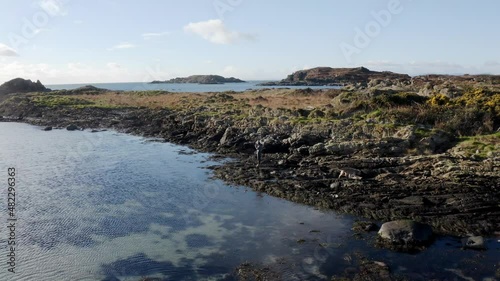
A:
[(201, 79), (20, 85)]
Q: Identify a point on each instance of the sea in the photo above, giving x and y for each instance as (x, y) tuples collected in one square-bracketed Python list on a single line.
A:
[(189, 88), (111, 206)]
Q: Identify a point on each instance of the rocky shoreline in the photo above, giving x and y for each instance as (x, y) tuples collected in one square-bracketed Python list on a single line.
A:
[(454, 193)]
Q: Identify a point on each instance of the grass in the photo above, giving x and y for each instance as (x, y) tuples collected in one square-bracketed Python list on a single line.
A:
[(473, 113), (482, 144)]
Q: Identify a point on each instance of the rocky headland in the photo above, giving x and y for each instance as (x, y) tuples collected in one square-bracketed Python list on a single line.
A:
[(200, 79), (20, 85), (375, 152)]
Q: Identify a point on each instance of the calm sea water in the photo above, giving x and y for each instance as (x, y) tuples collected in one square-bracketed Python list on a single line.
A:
[(110, 206), (193, 88)]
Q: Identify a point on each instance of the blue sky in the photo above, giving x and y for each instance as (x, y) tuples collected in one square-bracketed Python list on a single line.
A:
[(77, 41)]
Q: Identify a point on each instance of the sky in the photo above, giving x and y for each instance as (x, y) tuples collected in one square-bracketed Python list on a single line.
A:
[(99, 41)]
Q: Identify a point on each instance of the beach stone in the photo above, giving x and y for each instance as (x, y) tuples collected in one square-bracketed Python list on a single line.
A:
[(47, 129), (405, 232), (474, 242)]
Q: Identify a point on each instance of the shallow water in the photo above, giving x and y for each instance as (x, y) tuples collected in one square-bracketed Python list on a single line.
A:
[(190, 88), (110, 206)]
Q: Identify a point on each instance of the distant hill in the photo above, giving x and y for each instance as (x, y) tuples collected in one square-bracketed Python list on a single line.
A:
[(201, 79), (327, 76), (20, 85)]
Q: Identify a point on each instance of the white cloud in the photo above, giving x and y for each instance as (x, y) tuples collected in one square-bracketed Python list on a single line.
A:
[(121, 46), (7, 51), (216, 32), (151, 35), (53, 7)]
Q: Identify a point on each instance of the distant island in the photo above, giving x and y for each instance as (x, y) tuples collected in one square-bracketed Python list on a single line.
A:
[(327, 76), (200, 79)]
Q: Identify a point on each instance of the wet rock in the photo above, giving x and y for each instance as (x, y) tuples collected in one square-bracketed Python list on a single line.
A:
[(364, 226), (72, 127), (405, 233), (414, 200), (474, 242), (374, 271), (248, 271), (47, 129)]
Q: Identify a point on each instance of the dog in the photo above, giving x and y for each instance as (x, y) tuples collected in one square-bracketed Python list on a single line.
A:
[(350, 173)]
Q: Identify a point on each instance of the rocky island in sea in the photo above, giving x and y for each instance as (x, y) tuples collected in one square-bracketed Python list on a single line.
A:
[(201, 79), (328, 76)]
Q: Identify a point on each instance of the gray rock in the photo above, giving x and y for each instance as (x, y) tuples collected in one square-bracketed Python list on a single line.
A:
[(405, 232), (474, 242), (47, 129), (228, 136)]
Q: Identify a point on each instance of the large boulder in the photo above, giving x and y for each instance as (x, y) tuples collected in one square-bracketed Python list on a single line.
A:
[(405, 235)]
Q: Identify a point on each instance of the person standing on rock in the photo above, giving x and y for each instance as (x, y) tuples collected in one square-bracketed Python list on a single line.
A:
[(259, 146)]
